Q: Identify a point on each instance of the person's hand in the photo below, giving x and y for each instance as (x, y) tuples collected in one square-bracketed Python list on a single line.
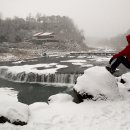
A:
[(111, 60)]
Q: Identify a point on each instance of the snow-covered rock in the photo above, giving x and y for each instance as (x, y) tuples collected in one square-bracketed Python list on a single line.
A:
[(38, 105), (59, 98), (14, 112), (97, 83)]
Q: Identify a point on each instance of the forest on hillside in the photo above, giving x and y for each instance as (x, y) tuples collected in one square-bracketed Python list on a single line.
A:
[(19, 29)]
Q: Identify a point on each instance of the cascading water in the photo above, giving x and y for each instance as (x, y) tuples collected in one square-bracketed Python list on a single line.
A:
[(34, 77)]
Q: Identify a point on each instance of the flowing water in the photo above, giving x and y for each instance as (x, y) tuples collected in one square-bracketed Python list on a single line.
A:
[(33, 87)]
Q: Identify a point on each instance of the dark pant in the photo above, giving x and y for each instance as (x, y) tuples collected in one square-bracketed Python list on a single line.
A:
[(120, 60)]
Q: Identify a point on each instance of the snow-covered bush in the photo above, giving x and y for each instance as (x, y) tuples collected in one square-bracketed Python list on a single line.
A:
[(97, 83)]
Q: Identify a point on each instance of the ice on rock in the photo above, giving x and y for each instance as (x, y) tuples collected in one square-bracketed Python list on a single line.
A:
[(97, 83)]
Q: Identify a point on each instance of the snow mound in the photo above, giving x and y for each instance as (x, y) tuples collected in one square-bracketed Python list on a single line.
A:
[(38, 105), (14, 112), (97, 83), (59, 98)]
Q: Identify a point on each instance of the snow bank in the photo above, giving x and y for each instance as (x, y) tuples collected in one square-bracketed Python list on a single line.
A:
[(97, 83), (63, 114), (38, 105), (126, 79), (67, 115), (14, 112), (10, 109), (74, 61), (88, 115), (8, 94)]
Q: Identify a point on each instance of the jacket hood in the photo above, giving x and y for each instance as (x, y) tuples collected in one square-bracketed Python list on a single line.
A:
[(128, 38)]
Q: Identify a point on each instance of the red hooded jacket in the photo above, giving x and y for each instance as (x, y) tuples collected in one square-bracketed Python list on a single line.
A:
[(124, 52)]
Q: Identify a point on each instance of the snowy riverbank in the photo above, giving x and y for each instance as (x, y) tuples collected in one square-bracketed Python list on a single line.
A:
[(63, 114)]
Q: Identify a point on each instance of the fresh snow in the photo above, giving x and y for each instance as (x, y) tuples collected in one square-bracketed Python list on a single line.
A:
[(74, 61), (67, 115), (87, 65), (99, 59), (83, 64), (60, 98), (78, 63), (49, 68), (14, 111), (126, 77), (63, 114), (11, 108), (8, 94), (81, 57), (97, 81)]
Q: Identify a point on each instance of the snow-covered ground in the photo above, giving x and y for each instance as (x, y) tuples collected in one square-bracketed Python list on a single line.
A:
[(98, 58), (63, 114), (81, 62), (8, 94), (75, 61)]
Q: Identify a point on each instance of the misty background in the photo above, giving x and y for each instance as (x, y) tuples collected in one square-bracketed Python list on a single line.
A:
[(100, 23)]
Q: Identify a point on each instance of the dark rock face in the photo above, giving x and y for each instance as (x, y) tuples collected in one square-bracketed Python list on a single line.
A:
[(3, 119), (123, 81), (17, 122), (78, 98)]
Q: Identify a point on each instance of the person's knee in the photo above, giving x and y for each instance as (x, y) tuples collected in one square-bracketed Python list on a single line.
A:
[(121, 58)]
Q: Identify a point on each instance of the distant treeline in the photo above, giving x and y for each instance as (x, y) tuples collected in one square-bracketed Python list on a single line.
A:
[(19, 29)]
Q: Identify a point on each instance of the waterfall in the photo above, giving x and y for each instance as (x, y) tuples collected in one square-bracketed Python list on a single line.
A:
[(34, 77)]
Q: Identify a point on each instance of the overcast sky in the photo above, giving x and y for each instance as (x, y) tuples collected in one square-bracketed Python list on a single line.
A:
[(100, 18)]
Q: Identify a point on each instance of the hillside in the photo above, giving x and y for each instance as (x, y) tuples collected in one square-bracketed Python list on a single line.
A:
[(14, 32)]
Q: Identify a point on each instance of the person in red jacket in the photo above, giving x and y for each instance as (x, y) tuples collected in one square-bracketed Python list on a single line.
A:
[(121, 57)]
